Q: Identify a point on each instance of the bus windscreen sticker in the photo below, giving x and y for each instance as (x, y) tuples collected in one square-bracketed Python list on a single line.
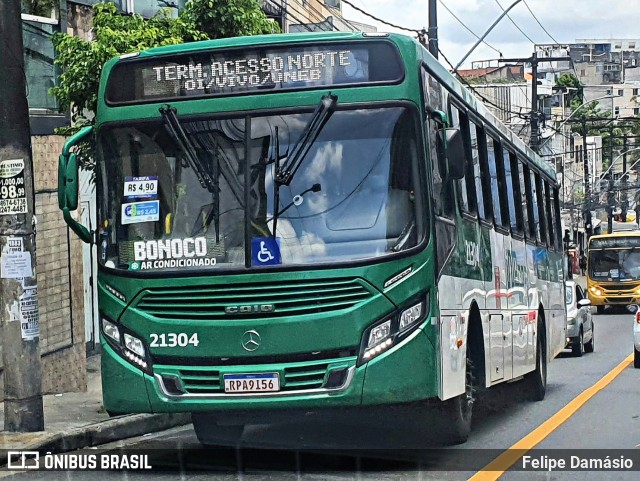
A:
[(172, 253), (141, 187), (265, 251), (136, 212)]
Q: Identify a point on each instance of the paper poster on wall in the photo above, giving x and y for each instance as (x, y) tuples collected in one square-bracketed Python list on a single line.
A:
[(15, 265), (29, 315), (13, 196)]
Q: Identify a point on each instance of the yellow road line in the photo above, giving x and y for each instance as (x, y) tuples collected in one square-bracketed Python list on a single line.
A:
[(502, 463)]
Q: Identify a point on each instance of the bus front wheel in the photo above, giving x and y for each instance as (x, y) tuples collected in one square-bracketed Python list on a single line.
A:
[(600, 309), (458, 410), (210, 433)]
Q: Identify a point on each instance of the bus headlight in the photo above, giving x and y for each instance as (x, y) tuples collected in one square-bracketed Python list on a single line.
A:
[(381, 336), (411, 315), (126, 345), (595, 290), (111, 330), (134, 345)]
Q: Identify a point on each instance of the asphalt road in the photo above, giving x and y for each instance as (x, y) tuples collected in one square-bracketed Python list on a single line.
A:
[(610, 419)]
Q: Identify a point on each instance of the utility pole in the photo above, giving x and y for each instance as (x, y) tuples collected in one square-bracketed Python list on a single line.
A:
[(432, 34), (19, 318), (534, 140), (587, 185), (623, 201)]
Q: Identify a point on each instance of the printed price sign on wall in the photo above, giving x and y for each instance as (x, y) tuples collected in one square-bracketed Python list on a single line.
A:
[(13, 196)]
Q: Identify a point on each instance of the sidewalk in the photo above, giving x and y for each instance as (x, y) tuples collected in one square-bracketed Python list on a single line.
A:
[(78, 420)]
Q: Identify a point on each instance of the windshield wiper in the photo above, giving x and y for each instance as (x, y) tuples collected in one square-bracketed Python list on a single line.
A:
[(285, 172), (207, 181), (169, 114)]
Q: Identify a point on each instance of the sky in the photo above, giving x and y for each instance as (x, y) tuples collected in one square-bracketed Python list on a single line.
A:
[(565, 21)]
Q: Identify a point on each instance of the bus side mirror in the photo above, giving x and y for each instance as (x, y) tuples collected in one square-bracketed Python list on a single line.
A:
[(71, 182), (68, 171), (68, 184), (451, 149)]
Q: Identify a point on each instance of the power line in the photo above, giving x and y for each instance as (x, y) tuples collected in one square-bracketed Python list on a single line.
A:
[(468, 29), (484, 99), (377, 19), (541, 26), (515, 24)]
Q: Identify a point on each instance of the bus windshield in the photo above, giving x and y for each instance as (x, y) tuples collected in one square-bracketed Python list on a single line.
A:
[(615, 264), (201, 192)]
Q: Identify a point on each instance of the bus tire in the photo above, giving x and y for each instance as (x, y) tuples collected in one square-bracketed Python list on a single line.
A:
[(536, 381), (458, 411), (600, 309), (636, 358), (210, 433)]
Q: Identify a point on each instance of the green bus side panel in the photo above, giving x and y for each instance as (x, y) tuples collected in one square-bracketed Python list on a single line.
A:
[(471, 256), (123, 387), (407, 373)]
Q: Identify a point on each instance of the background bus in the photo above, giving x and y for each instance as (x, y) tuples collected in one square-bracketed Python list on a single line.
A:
[(613, 269), (298, 223)]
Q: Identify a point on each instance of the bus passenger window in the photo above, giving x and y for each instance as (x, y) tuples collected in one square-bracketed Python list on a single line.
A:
[(523, 205), (541, 213), (465, 185), (486, 151), (475, 160), (548, 213), (509, 177), (532, 194)]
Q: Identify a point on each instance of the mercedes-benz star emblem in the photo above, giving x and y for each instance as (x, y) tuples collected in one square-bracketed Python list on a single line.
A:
[(251, 340)]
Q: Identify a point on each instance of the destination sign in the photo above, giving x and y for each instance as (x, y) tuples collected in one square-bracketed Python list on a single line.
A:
[(228, 72), (615, 242)]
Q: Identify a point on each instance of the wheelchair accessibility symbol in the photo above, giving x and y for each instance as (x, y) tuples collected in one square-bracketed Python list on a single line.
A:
[(264, 255), (265, 251)]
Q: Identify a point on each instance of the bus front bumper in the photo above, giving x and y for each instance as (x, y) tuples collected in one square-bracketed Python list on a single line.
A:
[(600, 296), (405, 373)]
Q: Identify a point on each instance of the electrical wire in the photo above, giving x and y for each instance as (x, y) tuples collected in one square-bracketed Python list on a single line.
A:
[(467, 28), (484, 99), (514, 23), (377, 19), (541, 26)]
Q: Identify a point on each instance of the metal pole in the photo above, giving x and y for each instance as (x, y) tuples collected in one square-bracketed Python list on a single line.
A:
[(485, 34), (623, 194), (433, 28), (587, 185), (20, 329), (533, 140)]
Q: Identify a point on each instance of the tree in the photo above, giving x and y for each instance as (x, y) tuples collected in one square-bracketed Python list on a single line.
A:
[(81, 61), (570, 81)]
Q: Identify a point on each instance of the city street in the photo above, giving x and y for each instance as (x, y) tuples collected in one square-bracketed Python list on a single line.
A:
[(610, 419)]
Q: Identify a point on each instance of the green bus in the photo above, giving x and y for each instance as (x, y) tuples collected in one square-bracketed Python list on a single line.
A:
[(317, 222)]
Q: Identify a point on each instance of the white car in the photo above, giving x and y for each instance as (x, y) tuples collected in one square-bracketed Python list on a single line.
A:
[(636, 340), (580, 331)]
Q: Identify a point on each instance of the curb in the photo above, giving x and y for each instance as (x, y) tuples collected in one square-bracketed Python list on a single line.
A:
[(122, 427)]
